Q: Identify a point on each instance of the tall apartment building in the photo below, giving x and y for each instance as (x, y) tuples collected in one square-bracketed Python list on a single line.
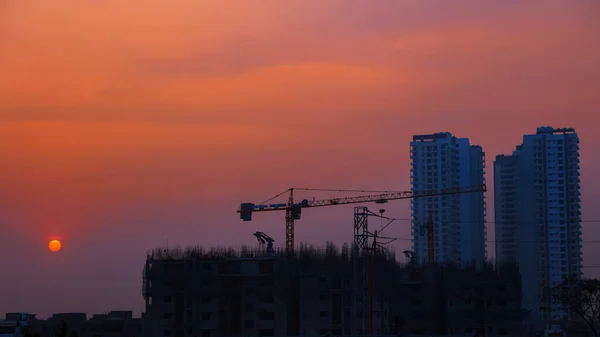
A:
[(441, 161), (537, 210)]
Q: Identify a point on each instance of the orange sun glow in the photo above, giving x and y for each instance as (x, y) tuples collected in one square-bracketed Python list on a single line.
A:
[(54, 246)]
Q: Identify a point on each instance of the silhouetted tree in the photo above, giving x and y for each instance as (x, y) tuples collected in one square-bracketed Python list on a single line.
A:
[(580, 297)]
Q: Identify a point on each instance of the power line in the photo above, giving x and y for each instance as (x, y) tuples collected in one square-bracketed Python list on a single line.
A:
[(491, 241), (495, 222), (548, 266)]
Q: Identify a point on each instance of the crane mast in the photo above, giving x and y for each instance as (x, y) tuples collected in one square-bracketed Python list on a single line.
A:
[(290, 214), (293, 210)]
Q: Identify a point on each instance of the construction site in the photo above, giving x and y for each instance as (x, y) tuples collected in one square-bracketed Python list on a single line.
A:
[(358, 289)]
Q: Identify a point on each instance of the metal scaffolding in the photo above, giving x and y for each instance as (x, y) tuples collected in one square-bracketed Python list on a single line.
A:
[(361, 234)]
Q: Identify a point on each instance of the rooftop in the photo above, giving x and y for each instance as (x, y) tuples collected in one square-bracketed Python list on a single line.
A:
[(431, 137), (551, 130), (303, 252)]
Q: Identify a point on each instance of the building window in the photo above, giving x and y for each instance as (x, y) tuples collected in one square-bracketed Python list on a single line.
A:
[(167, 333), (415, 302), (249, 324), (266, 316), (266, 299), (323, 314), (205, 299), (167, 299), (266, 281), (206, 316), (266, 333), (167, 315), (266, 267)]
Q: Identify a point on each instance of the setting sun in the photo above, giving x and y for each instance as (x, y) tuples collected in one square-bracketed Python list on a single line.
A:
[(54, 245)]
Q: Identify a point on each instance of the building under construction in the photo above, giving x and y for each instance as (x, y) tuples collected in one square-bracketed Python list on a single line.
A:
[(201, 292), (442, 300), (248, 292), (302, 291)]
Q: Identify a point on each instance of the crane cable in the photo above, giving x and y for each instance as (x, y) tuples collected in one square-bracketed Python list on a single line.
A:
[(327, 190), (277, 196)]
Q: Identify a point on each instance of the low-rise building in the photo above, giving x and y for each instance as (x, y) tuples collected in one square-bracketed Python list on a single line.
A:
[(114, 324), (16, 325)]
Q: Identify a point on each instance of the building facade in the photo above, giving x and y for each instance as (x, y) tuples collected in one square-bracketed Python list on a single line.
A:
[(448, 301), (440, 161), (537, 213)]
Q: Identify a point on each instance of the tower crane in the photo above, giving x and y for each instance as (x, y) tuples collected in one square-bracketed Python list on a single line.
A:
[(265, 239), (293, 210)]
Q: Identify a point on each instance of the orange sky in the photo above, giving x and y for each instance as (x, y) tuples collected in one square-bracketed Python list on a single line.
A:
[(124, 123)]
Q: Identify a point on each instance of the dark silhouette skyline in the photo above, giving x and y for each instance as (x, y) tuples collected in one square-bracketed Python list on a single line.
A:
[(127, 125)]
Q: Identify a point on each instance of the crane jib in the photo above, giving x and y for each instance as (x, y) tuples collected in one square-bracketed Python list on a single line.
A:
[(293, 210)]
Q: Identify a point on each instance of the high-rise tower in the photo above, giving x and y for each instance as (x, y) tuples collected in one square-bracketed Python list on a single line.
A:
[(440, 161), (537, 210)]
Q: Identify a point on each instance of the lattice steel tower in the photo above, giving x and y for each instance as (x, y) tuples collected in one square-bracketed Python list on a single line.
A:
[(361, 234)]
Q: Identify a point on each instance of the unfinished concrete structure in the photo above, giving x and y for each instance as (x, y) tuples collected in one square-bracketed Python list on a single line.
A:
[(224, 292), (441, 300)]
